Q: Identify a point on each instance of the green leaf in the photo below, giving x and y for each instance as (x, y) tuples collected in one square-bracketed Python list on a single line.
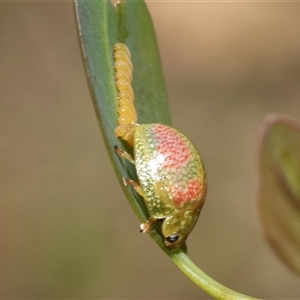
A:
[(101, 25), (279, 190)]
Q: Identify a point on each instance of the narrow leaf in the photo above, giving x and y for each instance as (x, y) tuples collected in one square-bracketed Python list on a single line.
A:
[(101, 25), (279, 190)]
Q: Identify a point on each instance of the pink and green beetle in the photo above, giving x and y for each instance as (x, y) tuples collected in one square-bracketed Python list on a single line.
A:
[(170, 172)]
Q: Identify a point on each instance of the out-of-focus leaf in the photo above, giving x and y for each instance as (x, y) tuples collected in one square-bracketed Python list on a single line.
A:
[(279, 187), (100, 26)]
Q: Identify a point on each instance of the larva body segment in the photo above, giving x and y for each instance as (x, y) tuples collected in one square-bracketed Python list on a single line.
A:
[(127, 116), (171, 176)]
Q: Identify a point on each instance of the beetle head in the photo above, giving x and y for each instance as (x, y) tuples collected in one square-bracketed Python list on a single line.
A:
[(176, 228)]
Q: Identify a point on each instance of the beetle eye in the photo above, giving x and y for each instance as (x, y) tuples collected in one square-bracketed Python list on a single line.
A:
[(172, 238)]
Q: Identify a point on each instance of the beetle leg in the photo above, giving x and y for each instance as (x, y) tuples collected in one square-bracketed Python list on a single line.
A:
[(135, 185), (145, 227), (124, 154)]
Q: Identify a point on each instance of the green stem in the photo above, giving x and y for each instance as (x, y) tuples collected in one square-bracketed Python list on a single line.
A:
[(192, 271), (206, 283)]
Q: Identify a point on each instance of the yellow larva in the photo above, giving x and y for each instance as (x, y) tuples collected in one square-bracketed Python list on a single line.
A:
[(127, 116)]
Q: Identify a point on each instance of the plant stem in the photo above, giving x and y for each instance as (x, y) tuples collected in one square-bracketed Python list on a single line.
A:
[(206, 283)]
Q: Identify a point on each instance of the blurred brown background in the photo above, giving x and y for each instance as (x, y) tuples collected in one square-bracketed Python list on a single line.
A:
[(66, 230)]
